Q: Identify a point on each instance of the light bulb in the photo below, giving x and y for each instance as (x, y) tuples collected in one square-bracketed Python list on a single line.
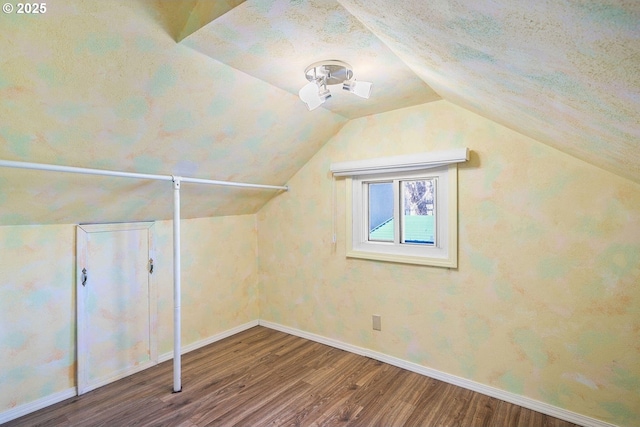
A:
[(309, 95), (362, 89)]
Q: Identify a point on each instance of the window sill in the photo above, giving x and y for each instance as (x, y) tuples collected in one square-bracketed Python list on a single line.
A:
[(404, 259)]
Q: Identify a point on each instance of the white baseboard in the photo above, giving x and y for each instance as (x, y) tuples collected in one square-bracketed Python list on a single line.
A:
[(30, 407), (115, 377), (516, 399), (210, 340)]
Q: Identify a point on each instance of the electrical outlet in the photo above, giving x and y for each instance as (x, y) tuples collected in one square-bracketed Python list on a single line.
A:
[(377, 322)]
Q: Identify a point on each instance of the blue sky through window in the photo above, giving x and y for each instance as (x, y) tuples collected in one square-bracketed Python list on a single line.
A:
[(380, 206)]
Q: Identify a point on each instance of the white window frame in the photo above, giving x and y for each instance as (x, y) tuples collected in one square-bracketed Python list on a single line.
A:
[(441, 166)]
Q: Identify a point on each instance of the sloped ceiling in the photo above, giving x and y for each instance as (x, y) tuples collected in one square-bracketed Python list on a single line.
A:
[(565, 73), (209, 89)]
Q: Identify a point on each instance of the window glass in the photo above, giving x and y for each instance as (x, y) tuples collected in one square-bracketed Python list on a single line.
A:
[(380, 211), (418, 211)]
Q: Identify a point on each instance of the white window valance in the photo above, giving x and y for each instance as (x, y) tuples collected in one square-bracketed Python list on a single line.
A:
[(402, 163)]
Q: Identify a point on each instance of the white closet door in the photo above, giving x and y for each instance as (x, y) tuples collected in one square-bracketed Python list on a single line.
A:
[(116, 303)]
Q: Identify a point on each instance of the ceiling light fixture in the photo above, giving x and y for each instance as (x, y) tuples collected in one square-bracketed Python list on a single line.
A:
[(326, 73)]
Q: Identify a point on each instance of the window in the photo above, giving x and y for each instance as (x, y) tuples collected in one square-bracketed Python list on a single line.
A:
[(398, 215), (404, 217)]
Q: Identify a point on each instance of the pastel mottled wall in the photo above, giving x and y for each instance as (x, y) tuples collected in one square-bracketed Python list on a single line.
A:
[(219, 277), (37, 296), (37, 312), (545, 300)]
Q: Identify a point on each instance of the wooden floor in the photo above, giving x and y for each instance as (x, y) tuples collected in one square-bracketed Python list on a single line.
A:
[(262, 377)]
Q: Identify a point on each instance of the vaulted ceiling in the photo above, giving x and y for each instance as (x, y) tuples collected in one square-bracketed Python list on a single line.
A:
[(209, 89)]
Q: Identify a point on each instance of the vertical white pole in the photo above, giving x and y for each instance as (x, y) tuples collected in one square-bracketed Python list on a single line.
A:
[(177, 385)]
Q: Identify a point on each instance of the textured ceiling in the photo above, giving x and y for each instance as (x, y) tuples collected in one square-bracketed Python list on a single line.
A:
[(209, 89), (565, 73), (276, 40)]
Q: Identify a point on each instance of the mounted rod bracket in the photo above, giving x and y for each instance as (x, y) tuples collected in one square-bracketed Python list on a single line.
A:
[(176, 182)]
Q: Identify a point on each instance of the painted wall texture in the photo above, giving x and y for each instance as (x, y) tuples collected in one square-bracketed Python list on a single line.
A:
[(37, 312), (37, 296), (219, 277), (545, 302)]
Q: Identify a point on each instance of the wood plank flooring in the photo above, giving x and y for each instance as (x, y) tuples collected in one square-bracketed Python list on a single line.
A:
[(263, 377)]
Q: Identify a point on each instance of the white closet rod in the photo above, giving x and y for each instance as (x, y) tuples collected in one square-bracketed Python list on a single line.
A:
[(87, 171), (177, 385)]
